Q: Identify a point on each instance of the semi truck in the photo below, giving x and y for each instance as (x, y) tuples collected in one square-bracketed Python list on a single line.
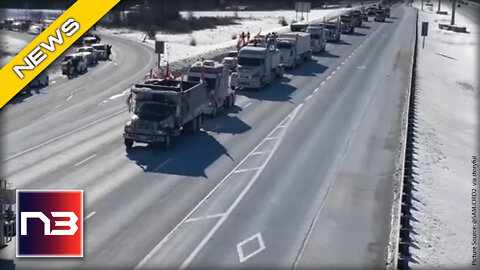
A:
[(7, 214), (216, 76), (163, 109), (257, 65), (332, 30), (294, 48), (317, 38), (346, 24)]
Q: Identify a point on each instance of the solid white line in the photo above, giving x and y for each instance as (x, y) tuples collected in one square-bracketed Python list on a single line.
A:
[(322, 83), (170, 234), (85, 160), (204, 241), (247, 105), (260, 153), (62, 136), (247, 170), (204, 217), (161, 165), (89, 215)]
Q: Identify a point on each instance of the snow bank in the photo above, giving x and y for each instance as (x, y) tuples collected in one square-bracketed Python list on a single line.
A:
[(447, 88), (212, 42)]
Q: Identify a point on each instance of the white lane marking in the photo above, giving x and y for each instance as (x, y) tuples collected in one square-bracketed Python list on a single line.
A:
[(338, 67), (58, 106), (260, 153), (328, 78), (70, 97), (247, 170), (322, 83), (85, 160), (115, 64), (333, 72), (204, 217), (361, 67), (161, 165), (349, 56), (241, 256), (272, 138), (124, 93), (343, 63), (63, 136), (204, 241), (247, 105), (309, 97), (198, 205), (53, 82), (316, 90), (89, 215)]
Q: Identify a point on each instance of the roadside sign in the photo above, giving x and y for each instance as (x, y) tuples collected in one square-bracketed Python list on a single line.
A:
[(302, 6), (159, 46), (424, 32), (424, 29)]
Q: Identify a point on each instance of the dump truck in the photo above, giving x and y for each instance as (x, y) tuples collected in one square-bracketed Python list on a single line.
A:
[(346, 24), (216, 76), (317, 38), (294, 48), (163, 109), (257, 65)]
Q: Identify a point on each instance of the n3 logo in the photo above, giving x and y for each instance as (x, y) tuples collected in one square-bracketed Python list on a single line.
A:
[(49, 223), (46, 222)]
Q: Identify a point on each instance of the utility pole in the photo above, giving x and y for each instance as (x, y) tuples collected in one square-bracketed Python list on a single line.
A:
[(453, 12), (439, 4), (422, 4)]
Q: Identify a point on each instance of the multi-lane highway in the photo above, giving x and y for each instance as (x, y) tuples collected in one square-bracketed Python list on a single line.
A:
[(299, 174)]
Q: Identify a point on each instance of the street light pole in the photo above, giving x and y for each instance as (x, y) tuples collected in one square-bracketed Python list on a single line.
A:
[(422, 4), (453, 13)]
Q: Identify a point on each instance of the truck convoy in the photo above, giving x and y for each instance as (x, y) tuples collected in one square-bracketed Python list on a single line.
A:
[(294, 48), (216, 77), (317, 38), (258, 65), (163, 109)]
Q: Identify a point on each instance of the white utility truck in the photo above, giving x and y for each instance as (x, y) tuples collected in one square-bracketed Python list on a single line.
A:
[(294, 48), (258, 65), (216, 77)]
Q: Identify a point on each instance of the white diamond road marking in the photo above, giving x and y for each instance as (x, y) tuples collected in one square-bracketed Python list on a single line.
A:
[(261, 244)]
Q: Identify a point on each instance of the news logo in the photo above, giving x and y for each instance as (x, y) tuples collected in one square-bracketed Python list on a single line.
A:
[(49, 223)]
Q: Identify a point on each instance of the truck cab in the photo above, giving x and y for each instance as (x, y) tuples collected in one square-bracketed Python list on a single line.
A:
[(332, 31), (294, 47), (216, 77), (346, 24), (317, 38), (78, 64)]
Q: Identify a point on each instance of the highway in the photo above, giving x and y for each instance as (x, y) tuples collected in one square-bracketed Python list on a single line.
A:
[(297, 175)]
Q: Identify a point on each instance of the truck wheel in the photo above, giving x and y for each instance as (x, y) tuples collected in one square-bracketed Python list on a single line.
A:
[(167, 143), (128, 143)]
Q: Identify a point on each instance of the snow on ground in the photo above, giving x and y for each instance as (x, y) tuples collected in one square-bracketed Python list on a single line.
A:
[(211, 42), (10, 46), (447, 88)]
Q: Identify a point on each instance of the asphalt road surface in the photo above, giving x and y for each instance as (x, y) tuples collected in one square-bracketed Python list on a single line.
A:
[(299, 174)]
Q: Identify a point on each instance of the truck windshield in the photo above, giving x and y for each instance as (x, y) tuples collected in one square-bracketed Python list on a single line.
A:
[(211, 82), (245, 61), (284, 45), (331, 27), (154, 111), (315, 36)]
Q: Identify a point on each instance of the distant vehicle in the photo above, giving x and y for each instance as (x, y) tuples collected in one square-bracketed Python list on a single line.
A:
[(380, 16), (78, 65), (89, 41), (35, 29), (346, 24), (257, 66), (349, 5), (230, 61), (294, 48), (7, 24), (317, 38), (387, 11), (90, 54), (356, 16), (298, 26), (332, 31), (216, 76), (101, 51), (163, 109), (41, 80)]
